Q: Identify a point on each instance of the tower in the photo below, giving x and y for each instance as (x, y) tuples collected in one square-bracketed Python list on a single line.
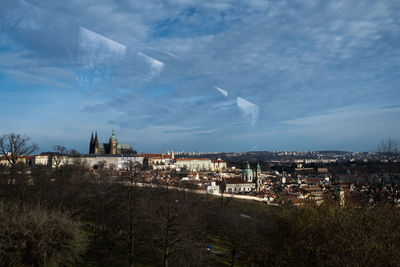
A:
[(298, 180), (258, 170), (248, 174), (91, 145), (258, 177), (96, 145), (113, 144), (283, 179)]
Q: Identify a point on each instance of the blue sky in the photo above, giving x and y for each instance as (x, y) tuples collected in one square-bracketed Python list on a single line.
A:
[(201, 75)]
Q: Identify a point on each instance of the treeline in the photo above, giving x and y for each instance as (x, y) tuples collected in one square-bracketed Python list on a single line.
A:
[(72, 216)]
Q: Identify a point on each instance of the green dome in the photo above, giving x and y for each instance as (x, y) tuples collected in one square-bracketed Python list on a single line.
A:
[(248, 170)]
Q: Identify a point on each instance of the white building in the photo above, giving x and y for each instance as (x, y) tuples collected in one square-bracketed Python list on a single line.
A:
[(91, 160), (237, 185), (218, 165), (194, 164), (159, 161), (213, 189), (41, 160), (111, 162)]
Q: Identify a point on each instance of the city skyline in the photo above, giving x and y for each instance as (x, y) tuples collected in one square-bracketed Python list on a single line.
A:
[(180, 75)]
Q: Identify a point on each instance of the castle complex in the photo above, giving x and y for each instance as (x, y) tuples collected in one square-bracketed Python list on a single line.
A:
[(111, 148)]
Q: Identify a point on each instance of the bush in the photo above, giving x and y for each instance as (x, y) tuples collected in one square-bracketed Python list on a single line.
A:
[(37, 237)]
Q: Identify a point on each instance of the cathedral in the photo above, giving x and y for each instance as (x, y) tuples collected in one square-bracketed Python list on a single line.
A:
[(111, 148)]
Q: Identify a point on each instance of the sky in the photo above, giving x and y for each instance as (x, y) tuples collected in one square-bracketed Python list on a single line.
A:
[(206, 75)]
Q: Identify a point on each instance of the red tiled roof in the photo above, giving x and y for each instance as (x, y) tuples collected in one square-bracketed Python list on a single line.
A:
[(20, 157), (182, 159), (154, 155), (236, 181)]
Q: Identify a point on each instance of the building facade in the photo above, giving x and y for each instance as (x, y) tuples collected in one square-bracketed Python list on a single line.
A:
[(194, 164), (237, 185), (158, 161), (218, 165)]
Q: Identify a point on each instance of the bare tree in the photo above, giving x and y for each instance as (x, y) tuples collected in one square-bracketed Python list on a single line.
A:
[(389, 146), (390, 149), (13, 146), (76, 157), (62, 153), (175, 228), (133, 196)]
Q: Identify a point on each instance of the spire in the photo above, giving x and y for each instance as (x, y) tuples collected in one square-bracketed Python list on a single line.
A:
[(283, 179), (95, 138), (91, 144), (258, 166), (113, 135), (248, 165)]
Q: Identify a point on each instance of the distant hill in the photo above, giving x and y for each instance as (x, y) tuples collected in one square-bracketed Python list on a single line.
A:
[(262, 156)]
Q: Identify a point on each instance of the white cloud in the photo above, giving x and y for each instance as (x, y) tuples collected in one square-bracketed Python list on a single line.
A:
[(222, 91), (96, 48), (295, 58), (249, 109), (156, 66)]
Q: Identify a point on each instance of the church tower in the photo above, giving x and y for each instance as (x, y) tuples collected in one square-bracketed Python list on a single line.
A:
[(283, 179), (298, 180), (258, 170), (248, 174), (113, 144), (96, 145), (91, 145), (258, 177)]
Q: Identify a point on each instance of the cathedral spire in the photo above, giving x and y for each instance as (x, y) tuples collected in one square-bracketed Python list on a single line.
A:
[(113, 135), (91, 144), (96, 137)]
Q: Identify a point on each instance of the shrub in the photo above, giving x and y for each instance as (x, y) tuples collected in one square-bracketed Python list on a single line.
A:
[(36, 237)]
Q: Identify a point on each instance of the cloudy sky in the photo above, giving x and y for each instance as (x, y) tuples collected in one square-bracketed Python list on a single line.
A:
[(202, 75)]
